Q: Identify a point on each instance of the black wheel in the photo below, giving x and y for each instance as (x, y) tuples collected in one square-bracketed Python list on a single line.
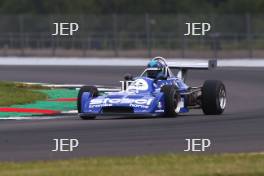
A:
[(213, 97), (171, 99), (94, 93)]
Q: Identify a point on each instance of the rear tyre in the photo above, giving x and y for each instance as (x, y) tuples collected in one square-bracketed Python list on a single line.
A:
[(171, 100), (93, 93), (213, 97)]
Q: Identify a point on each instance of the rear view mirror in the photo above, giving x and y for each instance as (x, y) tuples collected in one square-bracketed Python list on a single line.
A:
[(128, 77)]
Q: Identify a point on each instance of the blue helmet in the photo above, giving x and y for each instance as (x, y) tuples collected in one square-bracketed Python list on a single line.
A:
[(156, 69)]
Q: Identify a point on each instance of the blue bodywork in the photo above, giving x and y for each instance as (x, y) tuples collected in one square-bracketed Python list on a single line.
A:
[(142, 97)]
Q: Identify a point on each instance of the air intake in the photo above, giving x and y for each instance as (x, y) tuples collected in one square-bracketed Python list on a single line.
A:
[(117, 110)]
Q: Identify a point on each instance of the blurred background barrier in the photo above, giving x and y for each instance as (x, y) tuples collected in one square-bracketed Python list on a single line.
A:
[(147, 35)]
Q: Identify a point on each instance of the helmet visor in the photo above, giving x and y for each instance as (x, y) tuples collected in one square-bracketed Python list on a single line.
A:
[(153, 72)]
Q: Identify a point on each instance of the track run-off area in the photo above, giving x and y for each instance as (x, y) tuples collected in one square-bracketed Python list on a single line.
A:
[(239, 129)]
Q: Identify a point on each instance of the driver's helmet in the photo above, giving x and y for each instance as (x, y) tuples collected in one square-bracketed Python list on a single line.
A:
[(156, 69)]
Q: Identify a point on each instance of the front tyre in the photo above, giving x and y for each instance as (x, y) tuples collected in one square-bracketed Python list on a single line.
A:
[(171, 100), (213, 97), (93, 93)]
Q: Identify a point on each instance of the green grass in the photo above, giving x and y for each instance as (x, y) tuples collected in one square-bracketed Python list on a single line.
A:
[(156, 165), (12, 93)]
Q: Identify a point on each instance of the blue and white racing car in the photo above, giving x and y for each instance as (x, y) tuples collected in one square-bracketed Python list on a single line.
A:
[(156, 92)]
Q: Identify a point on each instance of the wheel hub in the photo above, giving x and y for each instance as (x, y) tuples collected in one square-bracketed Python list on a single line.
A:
[(222, 98)]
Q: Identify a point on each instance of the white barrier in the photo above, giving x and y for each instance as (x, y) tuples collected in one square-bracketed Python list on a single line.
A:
[(53, 61)]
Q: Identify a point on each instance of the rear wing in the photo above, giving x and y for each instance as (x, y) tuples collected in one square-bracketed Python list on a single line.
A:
[(200, 65), (183, 67)]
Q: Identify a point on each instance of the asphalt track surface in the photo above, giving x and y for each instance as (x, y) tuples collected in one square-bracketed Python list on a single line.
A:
[(239, 129)]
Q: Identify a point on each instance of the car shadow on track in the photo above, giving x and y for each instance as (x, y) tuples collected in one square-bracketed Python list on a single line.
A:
[(148, 117)]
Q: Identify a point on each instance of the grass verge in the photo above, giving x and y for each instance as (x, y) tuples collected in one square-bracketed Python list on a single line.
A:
[(156, 165), (12, 93)]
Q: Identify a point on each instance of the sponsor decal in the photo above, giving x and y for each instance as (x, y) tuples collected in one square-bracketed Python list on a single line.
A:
[(139, 106), (143, 103)]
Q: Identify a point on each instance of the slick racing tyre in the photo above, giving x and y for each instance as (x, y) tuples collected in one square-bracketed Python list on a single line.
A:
[(171, 100), (94, 93), (213, 97)]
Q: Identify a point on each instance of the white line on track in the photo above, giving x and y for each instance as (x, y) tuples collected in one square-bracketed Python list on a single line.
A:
[(34, 117)]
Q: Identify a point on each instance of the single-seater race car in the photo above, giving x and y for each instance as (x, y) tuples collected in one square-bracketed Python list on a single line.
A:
[(156, 92)]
